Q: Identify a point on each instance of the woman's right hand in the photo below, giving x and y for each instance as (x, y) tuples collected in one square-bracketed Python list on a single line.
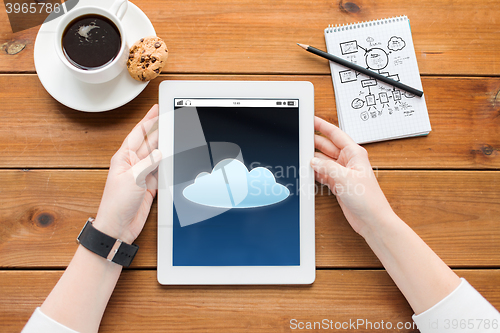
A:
[(343, 165)]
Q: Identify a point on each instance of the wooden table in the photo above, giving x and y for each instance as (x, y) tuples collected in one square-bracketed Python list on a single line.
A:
[(446, 186)]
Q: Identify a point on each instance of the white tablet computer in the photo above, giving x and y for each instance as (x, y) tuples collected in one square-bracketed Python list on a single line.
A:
[(236, 190)]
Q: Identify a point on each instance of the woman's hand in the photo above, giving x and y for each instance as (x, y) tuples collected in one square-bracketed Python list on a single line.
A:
[(131, 185), (422, 277), (343, 165)]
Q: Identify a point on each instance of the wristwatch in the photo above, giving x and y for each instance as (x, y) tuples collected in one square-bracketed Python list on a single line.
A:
[(112, 249)]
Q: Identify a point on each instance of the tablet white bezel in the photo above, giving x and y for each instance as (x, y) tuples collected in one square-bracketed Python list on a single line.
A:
[(220, 275)]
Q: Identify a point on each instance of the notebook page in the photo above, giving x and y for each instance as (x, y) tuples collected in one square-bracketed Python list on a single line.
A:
[(370, 110)]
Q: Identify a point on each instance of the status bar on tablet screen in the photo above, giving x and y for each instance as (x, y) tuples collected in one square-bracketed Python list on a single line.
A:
[(215, 102)]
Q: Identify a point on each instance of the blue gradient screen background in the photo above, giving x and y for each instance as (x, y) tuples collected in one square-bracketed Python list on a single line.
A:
[(262, 236)]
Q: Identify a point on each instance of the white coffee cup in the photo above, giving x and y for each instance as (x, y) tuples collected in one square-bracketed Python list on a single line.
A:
[(102, 74)]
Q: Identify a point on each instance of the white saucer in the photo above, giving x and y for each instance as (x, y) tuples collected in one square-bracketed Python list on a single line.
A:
[(76, 94)]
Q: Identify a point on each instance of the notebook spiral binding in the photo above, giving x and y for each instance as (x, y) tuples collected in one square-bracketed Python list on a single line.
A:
[(363, 24)]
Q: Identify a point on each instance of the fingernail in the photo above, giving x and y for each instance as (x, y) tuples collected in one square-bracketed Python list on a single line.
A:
[(157, 154), (315, 161)]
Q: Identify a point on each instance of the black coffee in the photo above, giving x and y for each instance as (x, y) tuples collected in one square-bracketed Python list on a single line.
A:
[(91, 41)]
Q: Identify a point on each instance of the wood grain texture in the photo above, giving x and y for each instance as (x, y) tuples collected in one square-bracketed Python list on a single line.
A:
[(140, 304), (234, 36), (39, 132), (456, 212)]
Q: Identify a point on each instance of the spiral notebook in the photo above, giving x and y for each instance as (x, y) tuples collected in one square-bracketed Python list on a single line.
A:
[(369, 110)]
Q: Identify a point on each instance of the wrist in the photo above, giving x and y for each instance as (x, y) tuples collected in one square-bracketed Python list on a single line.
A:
[(377, 223), (94, 259), (113, 229), (106, 246)]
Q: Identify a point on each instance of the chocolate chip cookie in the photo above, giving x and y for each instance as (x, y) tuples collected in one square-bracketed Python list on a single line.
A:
[(147, 58)]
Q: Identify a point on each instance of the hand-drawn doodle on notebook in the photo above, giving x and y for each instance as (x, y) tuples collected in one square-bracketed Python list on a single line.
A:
[(364, 115), (357, 103), (349, 47), (408, 94), (376, 59), (370, 100), (383, 98), (371, 103), (396, 43), (347, 76)]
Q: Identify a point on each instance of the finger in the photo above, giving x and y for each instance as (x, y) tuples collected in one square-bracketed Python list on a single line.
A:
[(320, 178), (327, 167), (339, 138), (322, 156), (145, 166), (136, 137), (326, 146), (150, 143), (155, 174), (152, 184)]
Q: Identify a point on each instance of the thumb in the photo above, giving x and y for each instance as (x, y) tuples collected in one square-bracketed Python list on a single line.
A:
[(145, 166), (328, 168)]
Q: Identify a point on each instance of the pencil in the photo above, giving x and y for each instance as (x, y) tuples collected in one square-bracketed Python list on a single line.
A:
[(363, 70)]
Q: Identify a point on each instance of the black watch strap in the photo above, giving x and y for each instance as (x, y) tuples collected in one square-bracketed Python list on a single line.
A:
[(106, 246)]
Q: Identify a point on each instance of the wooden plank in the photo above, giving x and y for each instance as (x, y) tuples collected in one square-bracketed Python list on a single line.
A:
[(235, 36), (456, 212), (140, 304), (39, 132)]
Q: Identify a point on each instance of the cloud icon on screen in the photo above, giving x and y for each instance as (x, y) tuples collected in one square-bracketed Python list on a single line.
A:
[(231, 185)]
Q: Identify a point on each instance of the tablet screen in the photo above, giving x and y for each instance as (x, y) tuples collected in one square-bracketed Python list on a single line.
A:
[(236, 182)]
